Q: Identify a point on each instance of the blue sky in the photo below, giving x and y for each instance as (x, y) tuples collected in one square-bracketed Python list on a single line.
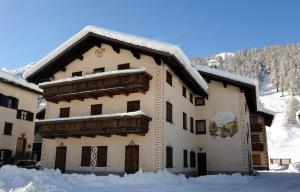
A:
[(31, 29)]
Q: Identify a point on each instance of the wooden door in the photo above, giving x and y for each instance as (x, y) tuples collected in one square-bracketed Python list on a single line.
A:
[(60, 158), (202, 168), (131, 158), (21, 147)]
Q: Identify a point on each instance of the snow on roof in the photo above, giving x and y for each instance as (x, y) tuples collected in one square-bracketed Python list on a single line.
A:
[(132, 39), (135, 113), (103, 74), (15, 79), (264, 110)]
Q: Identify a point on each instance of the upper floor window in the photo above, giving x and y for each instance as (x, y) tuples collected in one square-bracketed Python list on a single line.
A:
[(184, 91), (191, 98), (254, 138), (169, 112), (96, 109), (184, 121), (77, 74), (169, 78), (199, 101), (192, 124), (64, 112), (133, 106), (99, 70), (253, 119), (123, 66), (9, 101), (7, 128), (200, 127), (169, 157), (25, 115)]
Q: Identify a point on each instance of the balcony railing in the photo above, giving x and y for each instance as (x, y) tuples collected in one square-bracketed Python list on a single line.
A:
[(92, 126), (258, 146), (94, 86), (256, 127)]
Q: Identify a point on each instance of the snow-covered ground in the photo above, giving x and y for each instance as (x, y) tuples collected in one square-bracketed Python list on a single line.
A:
[(21, 180), (283, 142)]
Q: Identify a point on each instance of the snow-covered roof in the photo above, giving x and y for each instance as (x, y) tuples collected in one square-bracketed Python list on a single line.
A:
[(18, 81), (132, 39), (267, 111), (135, 113), (103, 74)]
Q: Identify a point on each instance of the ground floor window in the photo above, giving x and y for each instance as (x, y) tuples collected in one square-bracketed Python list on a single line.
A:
[(193, 159), (86, 156), (169, 158), (101, 156), (185, 158)]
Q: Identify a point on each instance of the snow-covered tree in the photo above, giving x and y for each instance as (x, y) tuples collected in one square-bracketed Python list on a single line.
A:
[(292, 108)]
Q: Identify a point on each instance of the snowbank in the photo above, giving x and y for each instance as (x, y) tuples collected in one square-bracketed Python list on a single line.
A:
[(6, 76), (16, 179)]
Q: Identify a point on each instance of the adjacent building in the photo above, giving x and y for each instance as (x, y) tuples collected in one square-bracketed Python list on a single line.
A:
[(18, 100), (117, 103)]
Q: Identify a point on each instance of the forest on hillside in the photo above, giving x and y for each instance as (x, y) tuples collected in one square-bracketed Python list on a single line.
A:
[(281, 62)]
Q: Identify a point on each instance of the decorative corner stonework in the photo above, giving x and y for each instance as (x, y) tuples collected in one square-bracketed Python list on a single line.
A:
[(159, 95), (244, 132)]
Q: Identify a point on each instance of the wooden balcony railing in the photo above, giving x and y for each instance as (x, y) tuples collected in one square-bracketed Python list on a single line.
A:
[(97, 86), (105, 126), (257, 146), (256, 127)]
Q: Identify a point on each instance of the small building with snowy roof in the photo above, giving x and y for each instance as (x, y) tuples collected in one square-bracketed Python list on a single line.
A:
[(117, 103), (18, 100)]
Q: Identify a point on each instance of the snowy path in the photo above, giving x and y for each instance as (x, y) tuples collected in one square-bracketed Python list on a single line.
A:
[(15, 179)]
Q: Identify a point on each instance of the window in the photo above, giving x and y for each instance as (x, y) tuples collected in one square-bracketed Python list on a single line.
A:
[(256, 159), (192, 159), (86, 156), (7, 128), (169, 78), (169, 112), (102, 156), (24, 115), (183, 91), (64, 112), (185, 158), (253, 119), (133, 106), (123, 66), (200, 127), (96, 109), (99, 70), (169, 159), (192, 124), (254, 138), (77, 74), (184, 121), (199, 101), (191, 97), (8, 101)]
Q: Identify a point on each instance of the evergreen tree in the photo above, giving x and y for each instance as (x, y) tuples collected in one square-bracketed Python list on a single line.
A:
[(292, 108)]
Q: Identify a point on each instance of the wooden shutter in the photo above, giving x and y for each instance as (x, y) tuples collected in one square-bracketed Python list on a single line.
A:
[(64, 112), (19, 114), (169, 158), (86, 156), (29, 116), (15, 103), (102, 156), (123, 66), (185, 158), (169, 78), (192, 124), (184, 91), (169, 112), (96, 109), (184, 121), (133, 106), (191, 98), (192, 159), (7, 128), (256, 159)]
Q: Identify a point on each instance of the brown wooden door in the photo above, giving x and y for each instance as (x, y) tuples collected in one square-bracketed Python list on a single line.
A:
[(21, 147), (60, 158), (131, 159)]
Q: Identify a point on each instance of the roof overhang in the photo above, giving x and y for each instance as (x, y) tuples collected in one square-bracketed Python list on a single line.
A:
[(268, 117)]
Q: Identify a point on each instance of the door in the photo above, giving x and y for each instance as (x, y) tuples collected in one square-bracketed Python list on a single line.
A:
[(60, 158), (21, 147), (131, 158), (202, 168)]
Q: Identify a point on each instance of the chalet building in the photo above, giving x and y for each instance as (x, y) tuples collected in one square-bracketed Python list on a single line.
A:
[(117, 103), (258, 123), (18, 100)]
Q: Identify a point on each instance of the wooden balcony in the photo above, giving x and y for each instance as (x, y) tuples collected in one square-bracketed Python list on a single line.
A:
[(92, 126), (94, 86), (257, 146), (257, 127)]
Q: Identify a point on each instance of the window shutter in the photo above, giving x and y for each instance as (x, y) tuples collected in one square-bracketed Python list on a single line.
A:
[(96, 109), (1, 99), (102, 156), (169, 159), (169, 112), (19, 114), (185, 158), (15, 103), (86, 156), (133, 106), (192, 159), (184, 121), (29, 116), (192, 124)]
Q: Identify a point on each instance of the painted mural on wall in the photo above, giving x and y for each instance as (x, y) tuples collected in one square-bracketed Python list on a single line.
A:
[(223, 124)]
